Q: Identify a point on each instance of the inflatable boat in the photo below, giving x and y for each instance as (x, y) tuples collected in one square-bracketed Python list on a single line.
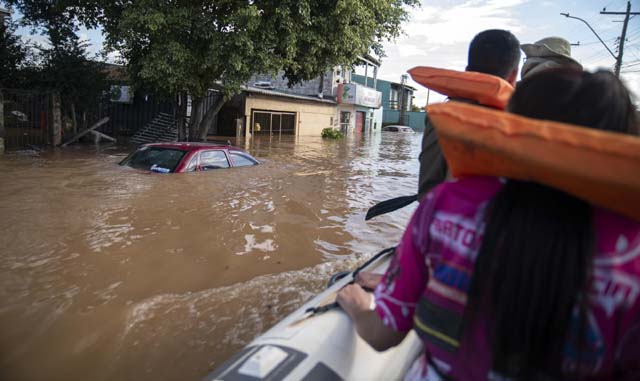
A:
[(318, 342)]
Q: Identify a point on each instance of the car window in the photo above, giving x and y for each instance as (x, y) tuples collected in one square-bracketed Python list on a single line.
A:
[(193, 164), (241, 160), (213, 160), (157, 159), (393, 128)]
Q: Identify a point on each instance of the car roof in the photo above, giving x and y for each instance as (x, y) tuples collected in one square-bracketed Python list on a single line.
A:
[(193, 146), (397, 125)]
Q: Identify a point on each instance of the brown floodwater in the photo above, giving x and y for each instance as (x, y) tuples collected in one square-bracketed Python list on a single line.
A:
[(109, 273)]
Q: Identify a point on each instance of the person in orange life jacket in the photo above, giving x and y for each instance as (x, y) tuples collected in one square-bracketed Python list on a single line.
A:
[(546, 286), (495, 52)]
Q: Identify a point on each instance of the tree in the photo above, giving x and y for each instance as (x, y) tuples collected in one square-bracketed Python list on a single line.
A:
[(66, 68), (13, 56), (190, 47), (63, 65)]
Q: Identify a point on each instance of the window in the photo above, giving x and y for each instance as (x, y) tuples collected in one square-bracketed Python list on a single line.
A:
[(241, 160), (345, 119), (393, 99), (193, 164), (156, 159), (274, 123), (213, 160)]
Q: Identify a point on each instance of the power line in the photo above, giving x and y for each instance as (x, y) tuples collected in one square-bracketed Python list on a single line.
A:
[(598, 55), (595, 42), (623, 35), (635, 63), (633, 35)]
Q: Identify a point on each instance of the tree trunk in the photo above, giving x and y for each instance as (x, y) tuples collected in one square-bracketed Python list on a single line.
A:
[(181, 116), (197, 104), (209, 117)]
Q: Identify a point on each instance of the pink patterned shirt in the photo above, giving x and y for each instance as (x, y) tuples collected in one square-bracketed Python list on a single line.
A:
[(434, 263)]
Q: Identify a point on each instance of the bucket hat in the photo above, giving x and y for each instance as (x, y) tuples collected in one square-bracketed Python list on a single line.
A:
[(551, 47)]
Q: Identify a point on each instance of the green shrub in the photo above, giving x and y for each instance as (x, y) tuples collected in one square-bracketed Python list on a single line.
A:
[(331, 133)]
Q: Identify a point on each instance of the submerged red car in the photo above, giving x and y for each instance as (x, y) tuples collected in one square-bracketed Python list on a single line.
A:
[(187, 157)]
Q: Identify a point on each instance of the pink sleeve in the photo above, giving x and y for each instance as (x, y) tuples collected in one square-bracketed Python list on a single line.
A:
[(405, 279)]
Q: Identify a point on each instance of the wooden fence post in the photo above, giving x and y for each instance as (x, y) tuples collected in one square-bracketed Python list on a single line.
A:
[(1, 123), (56, 125)]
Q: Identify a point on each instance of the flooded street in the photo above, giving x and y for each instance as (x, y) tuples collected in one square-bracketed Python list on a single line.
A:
[(108, 273)]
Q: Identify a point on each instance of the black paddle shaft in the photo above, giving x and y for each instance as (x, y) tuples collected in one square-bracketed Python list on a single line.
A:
[(389, 206)]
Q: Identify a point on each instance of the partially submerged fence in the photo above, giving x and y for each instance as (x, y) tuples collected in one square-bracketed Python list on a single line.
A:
[(37, 118)]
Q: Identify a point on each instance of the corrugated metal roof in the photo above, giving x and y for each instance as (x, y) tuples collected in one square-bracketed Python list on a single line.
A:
[(275, 93)]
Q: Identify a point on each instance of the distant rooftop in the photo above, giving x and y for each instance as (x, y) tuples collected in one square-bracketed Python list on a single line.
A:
[(371, 59)]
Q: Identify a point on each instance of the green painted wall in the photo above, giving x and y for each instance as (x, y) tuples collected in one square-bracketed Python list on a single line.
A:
[(414, 120)]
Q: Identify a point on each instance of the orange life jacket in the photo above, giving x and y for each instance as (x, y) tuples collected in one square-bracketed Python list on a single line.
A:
[(600, 167), (485, 89)]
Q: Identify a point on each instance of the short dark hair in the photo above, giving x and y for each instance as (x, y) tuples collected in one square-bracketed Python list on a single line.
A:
[(495, 52)]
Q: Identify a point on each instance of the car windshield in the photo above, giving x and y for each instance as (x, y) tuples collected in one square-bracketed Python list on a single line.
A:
[(156, 159)]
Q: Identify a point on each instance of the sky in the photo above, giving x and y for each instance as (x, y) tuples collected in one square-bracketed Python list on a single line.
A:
[(438, 34)]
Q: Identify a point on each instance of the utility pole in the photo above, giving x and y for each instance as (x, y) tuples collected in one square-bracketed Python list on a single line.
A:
[(623, 35), (618, 57)]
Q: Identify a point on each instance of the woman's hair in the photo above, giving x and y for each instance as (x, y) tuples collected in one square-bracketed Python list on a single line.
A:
[(534, 265)]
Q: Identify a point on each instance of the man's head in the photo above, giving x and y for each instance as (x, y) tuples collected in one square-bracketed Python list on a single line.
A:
[(550, 52), (495, 52)]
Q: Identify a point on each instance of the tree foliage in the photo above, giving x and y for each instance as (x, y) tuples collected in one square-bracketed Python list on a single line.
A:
[(65, 67), (13, 56), (192, 45)]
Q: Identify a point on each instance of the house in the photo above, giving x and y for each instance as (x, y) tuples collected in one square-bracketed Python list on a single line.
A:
[(330, 100), (266, 111), (393, 95)]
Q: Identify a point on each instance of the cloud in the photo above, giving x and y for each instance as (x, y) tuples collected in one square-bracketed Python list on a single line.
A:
[(445, 25), (438, 34)]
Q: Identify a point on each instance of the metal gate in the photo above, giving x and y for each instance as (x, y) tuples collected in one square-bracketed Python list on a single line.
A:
[(26, 118)]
